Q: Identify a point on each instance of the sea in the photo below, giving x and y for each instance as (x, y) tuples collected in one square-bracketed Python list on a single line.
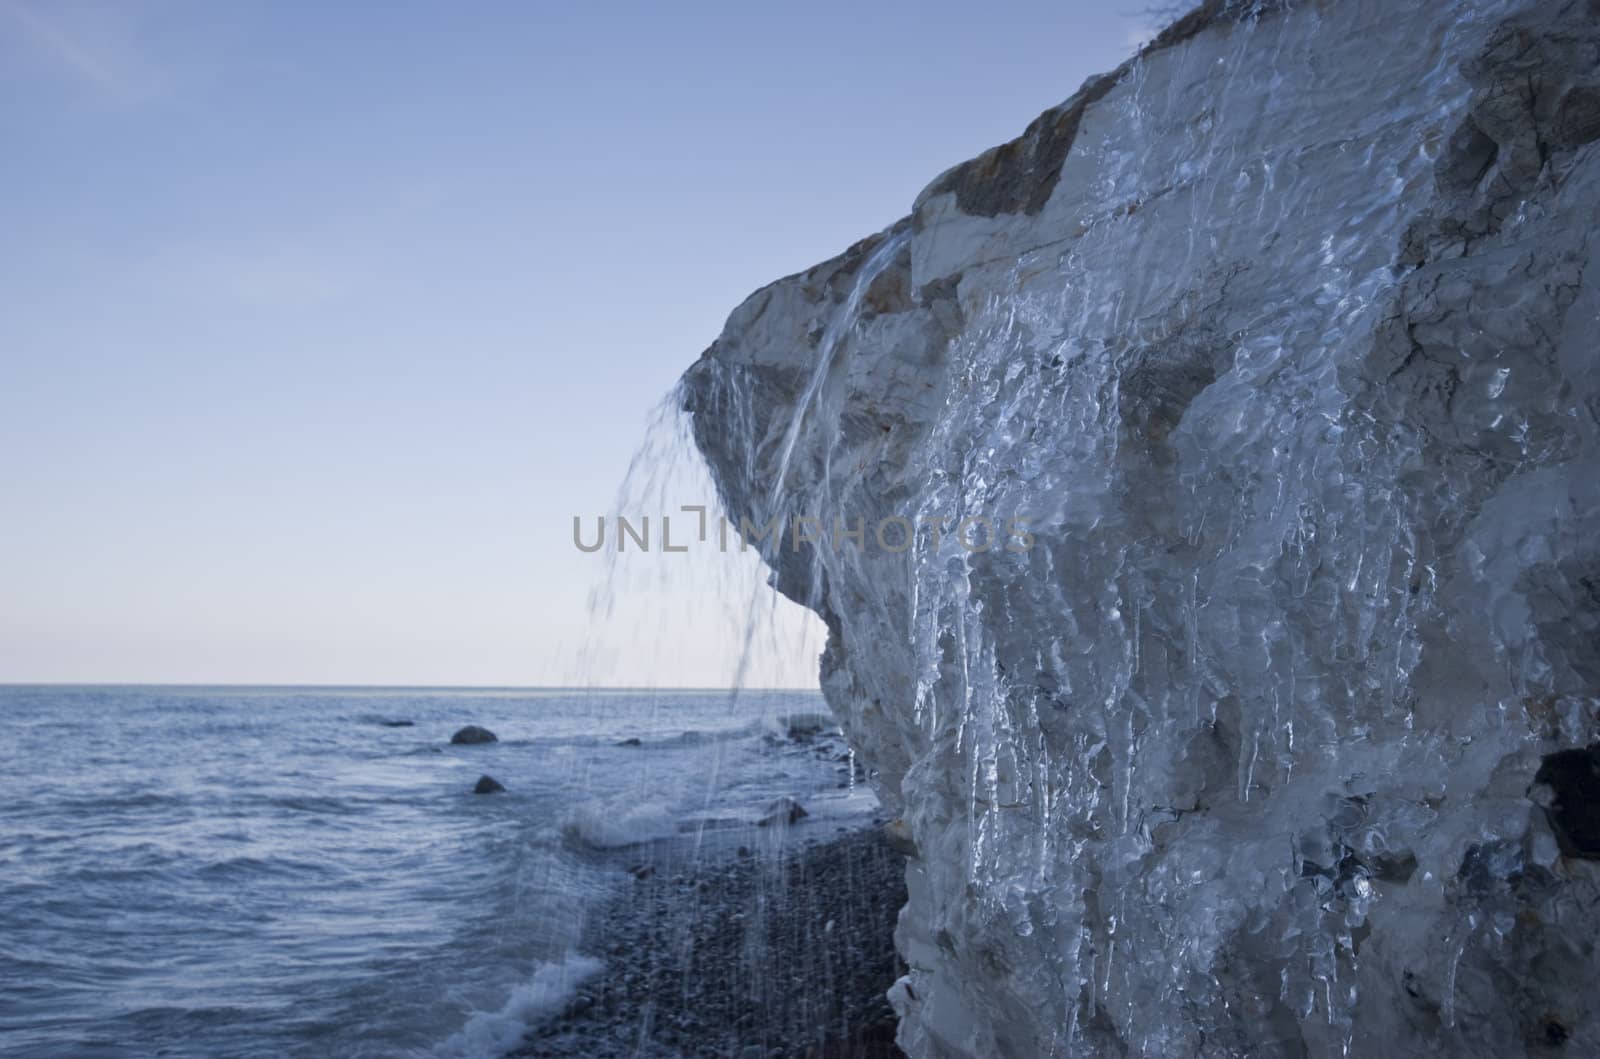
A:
[(276, 871)]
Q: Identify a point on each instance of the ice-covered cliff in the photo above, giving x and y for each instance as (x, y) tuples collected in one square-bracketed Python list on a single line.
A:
[(1282, 341)]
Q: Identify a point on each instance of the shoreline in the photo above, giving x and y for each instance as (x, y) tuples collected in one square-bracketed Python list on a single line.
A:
[(780, 948)]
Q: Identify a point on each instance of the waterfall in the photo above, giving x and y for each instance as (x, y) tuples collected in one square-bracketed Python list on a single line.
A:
[(842, 320)]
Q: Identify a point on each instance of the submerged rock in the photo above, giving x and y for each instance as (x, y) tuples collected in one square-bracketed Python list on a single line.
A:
[(488, 785), (399, 724), (472, 734), (1242, 415)]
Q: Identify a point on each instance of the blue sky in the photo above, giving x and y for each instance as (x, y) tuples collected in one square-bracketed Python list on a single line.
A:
[(321, 321)]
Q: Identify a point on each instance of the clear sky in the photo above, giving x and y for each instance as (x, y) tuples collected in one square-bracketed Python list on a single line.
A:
[(320, 321)]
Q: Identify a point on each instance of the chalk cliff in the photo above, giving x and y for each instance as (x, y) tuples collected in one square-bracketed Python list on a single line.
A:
[(1283, 342)]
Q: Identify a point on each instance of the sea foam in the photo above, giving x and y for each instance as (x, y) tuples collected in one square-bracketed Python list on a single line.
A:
[(490, 1034), (604, 824)]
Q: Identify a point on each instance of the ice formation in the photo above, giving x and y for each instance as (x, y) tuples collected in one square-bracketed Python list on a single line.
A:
[(1281, 341)]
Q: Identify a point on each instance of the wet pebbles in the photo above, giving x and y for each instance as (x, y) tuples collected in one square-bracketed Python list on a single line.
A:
[(776, 949)]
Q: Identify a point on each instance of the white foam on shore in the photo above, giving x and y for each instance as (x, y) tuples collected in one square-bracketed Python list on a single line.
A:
[(604, 825), (491, 1034)]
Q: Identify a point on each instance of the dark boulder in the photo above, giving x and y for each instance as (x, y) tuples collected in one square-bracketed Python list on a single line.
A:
[(473, 734), (631, 741), (399, 724), (782, 812), (488, 785)]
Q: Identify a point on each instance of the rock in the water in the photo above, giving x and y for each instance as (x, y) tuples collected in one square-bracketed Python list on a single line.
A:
[(783, 811), (473, 734), (632, 740), (399, 724), (488, 785), (1243, 412)]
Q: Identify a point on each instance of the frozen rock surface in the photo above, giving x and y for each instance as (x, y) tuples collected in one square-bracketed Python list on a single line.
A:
[(1272, 740)]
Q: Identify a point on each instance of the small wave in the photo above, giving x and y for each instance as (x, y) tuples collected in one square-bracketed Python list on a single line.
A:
[(311, 803), (112, 801), (601, 825), (249, 867), (385, 720), (702, 737), (799, 724), (657, 739), (490, 1034), (714, 823)]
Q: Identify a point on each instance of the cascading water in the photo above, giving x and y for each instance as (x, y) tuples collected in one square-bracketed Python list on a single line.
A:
[(715, 937), (835, 329), (1278, 341)]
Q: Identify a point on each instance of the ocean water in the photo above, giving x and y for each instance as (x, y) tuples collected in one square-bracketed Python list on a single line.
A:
[(250, 872)]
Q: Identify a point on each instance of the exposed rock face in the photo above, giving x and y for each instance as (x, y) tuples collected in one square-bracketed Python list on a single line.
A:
[(473, 734), (488, 785), (1285, 342)]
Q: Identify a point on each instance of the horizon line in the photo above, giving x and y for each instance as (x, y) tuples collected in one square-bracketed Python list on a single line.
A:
[(389, 687)]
